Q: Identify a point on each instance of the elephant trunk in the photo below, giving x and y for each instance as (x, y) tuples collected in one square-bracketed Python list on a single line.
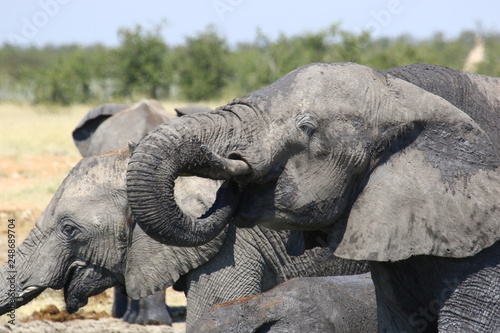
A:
[(184, 147), (17, 276)]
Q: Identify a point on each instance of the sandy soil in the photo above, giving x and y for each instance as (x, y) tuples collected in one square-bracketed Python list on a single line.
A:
[(104, 325)]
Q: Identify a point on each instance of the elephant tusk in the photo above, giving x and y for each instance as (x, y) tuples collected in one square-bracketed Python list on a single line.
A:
[(233, 168), (28, 291), (218, 167)]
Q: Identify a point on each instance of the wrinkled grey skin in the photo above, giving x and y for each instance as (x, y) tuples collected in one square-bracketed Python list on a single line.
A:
[(402, 176), (111, 126), (85, 242), (312, 304)]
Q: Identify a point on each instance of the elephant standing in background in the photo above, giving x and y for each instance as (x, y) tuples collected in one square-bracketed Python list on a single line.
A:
[(191, 109), (111, 126), (86, 241), (402, 172)]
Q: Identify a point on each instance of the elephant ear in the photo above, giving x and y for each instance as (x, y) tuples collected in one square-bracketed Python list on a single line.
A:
[(152, 266), (434, 188), (87, 126)]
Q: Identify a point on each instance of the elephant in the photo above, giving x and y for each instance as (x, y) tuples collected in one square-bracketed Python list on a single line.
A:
[(111, 126), (85, 241), (310, 304), (399, 167)]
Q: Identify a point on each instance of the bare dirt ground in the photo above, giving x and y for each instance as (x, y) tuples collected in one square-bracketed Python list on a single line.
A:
[(36, 154)]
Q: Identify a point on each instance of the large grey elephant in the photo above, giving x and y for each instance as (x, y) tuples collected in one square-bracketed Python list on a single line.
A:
[(85, 241), (403, 172)]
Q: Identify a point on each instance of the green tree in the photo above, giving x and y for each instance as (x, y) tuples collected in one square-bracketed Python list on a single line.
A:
[(142, 63), (76, 75), (203, 67)]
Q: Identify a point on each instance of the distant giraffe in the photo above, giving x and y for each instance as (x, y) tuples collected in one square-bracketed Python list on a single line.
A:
[(476, 55)]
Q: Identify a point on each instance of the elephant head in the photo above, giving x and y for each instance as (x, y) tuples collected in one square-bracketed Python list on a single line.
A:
[(85, 240), (389, 169)]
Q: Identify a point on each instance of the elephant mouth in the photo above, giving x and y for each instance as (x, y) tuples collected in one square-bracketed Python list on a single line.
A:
[(83, 281), (254, 202), (72, 289), (252, 195)]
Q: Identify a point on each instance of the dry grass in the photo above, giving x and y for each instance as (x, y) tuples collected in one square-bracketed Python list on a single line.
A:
[(38, 130), (29, 130), (37, 151), (36, 154)]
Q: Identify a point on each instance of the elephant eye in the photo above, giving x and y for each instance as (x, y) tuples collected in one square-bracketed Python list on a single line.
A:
[(306, 123), (69, 229)]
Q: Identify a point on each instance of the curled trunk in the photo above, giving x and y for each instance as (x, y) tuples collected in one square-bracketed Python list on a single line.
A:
[(182, 147)]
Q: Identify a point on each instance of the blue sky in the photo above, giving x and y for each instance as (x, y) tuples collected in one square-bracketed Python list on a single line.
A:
[(39, 22)]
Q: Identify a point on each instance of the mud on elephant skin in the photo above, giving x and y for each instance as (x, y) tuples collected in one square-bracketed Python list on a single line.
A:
[(85, 241), (313, 304), (399, 167)]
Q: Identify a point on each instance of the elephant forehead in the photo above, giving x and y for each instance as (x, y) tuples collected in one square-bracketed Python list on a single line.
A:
[(94, 172), (343, 87), (91, 183)]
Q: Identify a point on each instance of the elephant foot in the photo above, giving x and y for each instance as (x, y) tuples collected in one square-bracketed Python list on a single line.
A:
[(150, 310)]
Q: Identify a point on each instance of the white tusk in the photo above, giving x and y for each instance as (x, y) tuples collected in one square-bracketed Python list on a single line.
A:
[(27, 291)]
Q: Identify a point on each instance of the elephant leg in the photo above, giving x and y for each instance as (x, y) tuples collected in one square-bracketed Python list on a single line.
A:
[(427, 294), (148, 310), (475, 305), (237, 271), (120, 304)]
